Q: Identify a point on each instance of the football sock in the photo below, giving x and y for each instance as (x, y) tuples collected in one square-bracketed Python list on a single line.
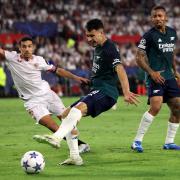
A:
[(72, 142), (171, 132), (68, 123), (79, 141), (146, 121)]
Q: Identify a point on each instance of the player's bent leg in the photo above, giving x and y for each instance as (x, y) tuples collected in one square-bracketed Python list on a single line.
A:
[(137, 146), (83, 148), (48, 122), (78, 161)]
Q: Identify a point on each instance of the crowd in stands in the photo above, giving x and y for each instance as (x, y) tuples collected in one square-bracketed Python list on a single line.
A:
[(68, 48)]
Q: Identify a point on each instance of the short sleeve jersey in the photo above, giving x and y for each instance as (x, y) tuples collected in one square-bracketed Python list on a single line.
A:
[(105, 59), (27, 74), (159, 48)]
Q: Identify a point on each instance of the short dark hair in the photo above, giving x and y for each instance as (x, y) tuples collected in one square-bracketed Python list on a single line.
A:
[(159, 8), (94, 24), (26, 38)]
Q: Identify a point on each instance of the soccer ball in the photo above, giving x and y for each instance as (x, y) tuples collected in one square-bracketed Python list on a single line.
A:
[(32, 162)]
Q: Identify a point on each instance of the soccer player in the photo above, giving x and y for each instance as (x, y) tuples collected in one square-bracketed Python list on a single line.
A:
[(107, 69), (155, 57), (39, 100)]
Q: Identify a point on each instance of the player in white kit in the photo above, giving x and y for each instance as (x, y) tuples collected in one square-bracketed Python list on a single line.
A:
[(39, 100)]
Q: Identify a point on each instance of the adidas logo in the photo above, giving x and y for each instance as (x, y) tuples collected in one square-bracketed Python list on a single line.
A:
[(159, 40)]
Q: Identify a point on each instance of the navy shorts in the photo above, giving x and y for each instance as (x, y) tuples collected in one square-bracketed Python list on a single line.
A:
[(96, 102), (168, 90)]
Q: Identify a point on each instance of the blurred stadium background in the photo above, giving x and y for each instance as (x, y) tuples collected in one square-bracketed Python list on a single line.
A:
[(57, 27)]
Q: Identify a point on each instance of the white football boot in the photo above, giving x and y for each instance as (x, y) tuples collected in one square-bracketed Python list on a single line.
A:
[(48, 139), (77, 160)]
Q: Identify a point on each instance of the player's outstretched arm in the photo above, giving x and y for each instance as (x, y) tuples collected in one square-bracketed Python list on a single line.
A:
[(141, 59), (129, 97), (2, 53), (62, 72)]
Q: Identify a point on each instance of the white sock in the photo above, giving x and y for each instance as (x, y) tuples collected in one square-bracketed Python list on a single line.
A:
[(68, 123), (171, 132), (145, 123), (72, 141)]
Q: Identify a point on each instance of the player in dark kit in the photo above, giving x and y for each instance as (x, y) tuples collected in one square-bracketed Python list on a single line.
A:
[(155, 56), (107, 69)]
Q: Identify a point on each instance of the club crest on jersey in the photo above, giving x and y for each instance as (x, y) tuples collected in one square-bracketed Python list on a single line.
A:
[(172, 38), (36, 65)]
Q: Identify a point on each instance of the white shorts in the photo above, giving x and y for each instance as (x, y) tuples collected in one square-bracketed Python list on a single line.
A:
[(41, 106)]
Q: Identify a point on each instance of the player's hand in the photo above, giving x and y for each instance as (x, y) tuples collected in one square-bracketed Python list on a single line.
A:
[(156, 76), (131, 98), (82, 80)]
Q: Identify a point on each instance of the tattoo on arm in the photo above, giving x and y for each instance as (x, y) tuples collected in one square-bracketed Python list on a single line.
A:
[(142, 61)]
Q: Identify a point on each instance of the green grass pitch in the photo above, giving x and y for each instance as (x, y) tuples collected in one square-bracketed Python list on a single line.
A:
[(110, 136)]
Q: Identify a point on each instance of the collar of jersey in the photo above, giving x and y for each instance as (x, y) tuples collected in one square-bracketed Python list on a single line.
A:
[(22, 59)]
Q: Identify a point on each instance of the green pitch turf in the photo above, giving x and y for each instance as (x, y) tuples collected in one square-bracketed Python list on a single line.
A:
[(110, 136)]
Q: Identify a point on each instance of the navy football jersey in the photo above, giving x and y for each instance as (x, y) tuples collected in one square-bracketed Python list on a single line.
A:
[(104, 77), (159, 48)]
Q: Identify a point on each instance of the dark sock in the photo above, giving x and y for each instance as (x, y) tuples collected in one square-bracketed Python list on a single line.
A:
[(80, 142)]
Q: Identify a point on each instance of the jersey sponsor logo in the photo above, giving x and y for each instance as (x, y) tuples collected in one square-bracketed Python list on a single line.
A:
[(156, 91), (159, 40), (167, 47)]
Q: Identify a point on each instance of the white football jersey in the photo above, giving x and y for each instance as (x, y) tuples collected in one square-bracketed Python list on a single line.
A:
[(27, 74)]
